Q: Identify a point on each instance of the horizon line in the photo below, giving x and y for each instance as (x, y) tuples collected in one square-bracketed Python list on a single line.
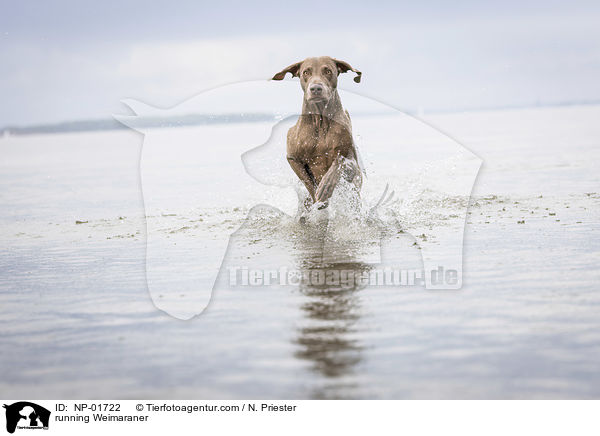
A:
[(192, 119)]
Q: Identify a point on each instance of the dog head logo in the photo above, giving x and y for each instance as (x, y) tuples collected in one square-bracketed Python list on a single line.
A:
[(26, 415), (198, 192)]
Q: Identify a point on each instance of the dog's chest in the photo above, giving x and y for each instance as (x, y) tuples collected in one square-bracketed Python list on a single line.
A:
[(316, 144)]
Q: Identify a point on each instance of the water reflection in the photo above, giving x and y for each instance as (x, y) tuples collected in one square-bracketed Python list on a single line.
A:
[(327, 336)]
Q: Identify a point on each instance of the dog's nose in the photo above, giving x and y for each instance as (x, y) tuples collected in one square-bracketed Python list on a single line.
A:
[(316, 89)]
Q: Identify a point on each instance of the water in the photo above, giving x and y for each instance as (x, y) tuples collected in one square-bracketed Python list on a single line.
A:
[(77, 320)]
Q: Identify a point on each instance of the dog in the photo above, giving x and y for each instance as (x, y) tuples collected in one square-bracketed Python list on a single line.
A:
[(320, 148)]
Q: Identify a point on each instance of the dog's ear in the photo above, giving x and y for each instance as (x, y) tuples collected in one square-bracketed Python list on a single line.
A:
[(345, 66), (293, 69)]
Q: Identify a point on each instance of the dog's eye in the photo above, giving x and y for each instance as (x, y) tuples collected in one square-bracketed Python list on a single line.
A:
[(327, 71), (306, 73)]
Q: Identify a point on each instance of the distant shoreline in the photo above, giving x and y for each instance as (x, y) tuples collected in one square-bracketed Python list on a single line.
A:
[(205, 119), (142, 122)]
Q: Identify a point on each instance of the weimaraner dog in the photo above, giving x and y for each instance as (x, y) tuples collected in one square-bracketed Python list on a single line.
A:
[(320, 148)]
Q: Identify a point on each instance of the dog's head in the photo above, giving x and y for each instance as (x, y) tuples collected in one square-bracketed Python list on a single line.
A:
[(318, 77)]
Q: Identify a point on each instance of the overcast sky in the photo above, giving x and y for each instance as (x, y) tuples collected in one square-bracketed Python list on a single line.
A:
[(69, 60)]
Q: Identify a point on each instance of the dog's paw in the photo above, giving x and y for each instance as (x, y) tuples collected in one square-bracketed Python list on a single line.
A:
[(320, 205)]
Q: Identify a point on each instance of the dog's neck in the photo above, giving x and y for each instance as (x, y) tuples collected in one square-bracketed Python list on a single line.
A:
[(323, 113)]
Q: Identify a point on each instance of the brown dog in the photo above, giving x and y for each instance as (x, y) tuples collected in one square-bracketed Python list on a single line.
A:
[(320, 148)]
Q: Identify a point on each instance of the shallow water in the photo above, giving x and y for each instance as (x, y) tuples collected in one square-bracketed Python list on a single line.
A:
[(78, 320)]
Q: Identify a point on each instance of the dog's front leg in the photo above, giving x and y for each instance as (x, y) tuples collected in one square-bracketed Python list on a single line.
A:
[(329, 182), (305, 176), (351, 172)]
